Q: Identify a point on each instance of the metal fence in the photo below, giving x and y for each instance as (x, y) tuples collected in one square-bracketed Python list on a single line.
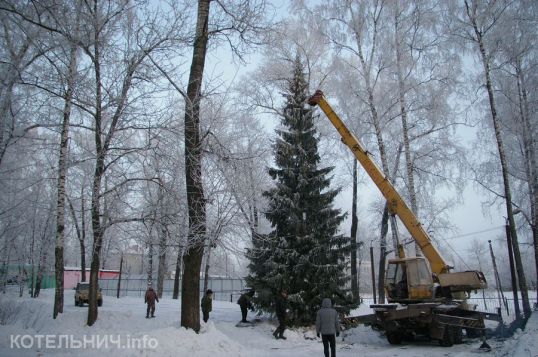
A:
[(224, 289)]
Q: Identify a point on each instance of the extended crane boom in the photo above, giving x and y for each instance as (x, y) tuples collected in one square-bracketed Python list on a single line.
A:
[(395, 202), (432, 298)]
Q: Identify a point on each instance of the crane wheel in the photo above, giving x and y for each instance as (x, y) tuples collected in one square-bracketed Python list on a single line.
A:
[(458, 335), (394, 337), (448, 337)]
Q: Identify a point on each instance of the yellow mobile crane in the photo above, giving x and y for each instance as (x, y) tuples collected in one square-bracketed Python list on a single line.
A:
[(425, 297)]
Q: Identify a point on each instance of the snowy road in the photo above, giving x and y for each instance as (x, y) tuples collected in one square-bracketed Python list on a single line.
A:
[(123, 330)]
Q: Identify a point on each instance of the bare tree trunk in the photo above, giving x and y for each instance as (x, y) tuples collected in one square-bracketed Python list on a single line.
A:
[(20, 278), (403, 113), (5, 264), (190, 297), (38, 281), (502, 158), (62, 173), (162, 262), (99, 171), (360, 258), (162, 242), (366, 68), (207, 265), (32, 281), (150, 262), (179, 260), (104, 222), (32, 260), (102, 144), (354, 227), (530, 162)]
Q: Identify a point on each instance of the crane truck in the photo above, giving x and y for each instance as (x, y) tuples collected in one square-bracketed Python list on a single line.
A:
[(425, 297)]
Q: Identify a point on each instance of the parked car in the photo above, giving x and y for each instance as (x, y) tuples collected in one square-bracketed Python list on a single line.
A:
[(15, 279), (82, 292)]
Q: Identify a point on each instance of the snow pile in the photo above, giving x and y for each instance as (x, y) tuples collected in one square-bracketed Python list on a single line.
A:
[(23, 313), (119, 320), (523, 343), (125, 319)]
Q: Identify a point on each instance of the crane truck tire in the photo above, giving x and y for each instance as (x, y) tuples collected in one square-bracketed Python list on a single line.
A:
[(394, 337)]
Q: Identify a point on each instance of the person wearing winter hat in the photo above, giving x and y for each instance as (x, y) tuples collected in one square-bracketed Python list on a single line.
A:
[(150, 298), (207, 304), (328, 325)]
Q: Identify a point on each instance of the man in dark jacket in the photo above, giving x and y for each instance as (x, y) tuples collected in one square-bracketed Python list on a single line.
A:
[(245, 303), (281, 310), (207, 304), (328, 325), (149, 299)]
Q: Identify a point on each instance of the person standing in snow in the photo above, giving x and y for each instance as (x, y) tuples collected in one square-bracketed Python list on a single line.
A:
[(207, 304), (328, 325), (281, 310), (150, 298), (245, 303)]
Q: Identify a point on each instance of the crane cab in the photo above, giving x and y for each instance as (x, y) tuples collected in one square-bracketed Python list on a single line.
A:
[(409, 280)]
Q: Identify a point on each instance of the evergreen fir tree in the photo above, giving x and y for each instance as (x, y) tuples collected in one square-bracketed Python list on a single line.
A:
[(303, 254)]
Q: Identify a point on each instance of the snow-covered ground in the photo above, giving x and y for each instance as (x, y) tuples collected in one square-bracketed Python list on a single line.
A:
[(27, 329)]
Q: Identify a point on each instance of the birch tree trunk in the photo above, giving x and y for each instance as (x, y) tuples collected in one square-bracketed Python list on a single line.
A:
[(472, 14), (530, 161), (403, 114), (5, 264), (99, 170), (179, 262), (386, 212), (39, 278), (32, 252), (43, 255), (161, 269), (150, 262), (207, 265), (62, 173), (366, 70), (190, 297)]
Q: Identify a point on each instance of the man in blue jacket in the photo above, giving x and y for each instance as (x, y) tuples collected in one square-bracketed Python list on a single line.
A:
[(328, 325)]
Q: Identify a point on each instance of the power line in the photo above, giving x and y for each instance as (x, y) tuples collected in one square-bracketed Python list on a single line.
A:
[(473, 233), (466, 235)]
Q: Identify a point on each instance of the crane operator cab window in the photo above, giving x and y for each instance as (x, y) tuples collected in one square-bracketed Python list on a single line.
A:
[(397, 281), (409, 279)]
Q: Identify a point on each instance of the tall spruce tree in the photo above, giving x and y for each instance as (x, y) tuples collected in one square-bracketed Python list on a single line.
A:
[(303, 254)]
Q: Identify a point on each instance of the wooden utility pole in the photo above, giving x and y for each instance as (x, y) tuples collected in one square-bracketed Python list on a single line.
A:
[(119, 277), (512, 271), (497, 279), (373, 271)]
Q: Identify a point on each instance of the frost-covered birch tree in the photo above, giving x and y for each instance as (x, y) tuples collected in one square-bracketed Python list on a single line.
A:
[(517, 84), (478, 23)]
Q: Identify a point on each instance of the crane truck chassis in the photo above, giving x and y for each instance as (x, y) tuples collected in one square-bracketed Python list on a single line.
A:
[(424, 296)]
